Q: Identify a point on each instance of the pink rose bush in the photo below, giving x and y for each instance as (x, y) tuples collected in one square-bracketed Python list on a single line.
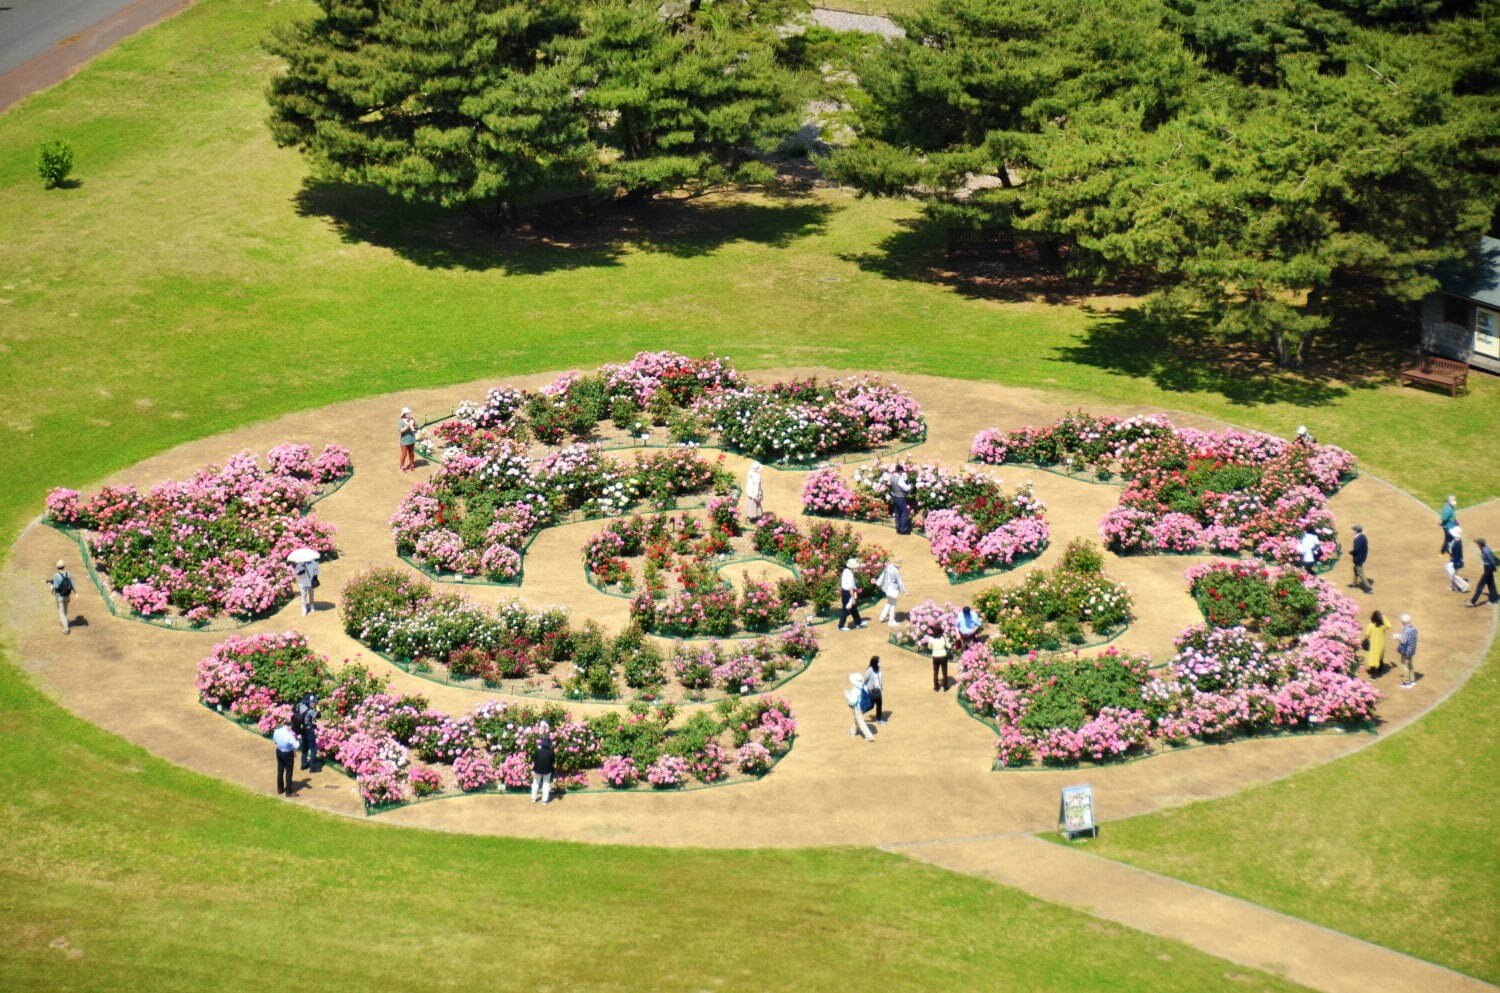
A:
[(972, 525), (1191, 491), (398, 747), (1279, 652), (213, 544)]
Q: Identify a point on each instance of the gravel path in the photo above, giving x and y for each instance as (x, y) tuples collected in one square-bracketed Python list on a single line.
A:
[(846, 20)]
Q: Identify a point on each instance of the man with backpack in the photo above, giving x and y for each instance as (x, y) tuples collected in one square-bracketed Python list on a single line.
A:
[(305, 725), (62, 592)]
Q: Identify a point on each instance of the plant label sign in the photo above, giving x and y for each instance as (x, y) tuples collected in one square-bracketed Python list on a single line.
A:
[(1075, 811)]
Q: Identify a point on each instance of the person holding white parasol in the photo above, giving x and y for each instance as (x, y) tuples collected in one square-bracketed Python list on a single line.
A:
[(305, 568)]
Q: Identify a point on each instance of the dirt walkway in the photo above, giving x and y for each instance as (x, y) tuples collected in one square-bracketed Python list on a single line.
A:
[(1220, 925), (927, 776)]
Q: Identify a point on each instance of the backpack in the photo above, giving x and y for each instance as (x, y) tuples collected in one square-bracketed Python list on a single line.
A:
[(63, 585), (300, 714)]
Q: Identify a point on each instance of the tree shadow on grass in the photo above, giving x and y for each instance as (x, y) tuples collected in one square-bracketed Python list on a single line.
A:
[(1180, 355), (438, 238), (917, 251)]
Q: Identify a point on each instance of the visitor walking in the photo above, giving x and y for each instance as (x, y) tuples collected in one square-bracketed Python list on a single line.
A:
[(307, 580), (875, 686), (1374, 643), (305, 724), (855, 697), (1487, 577), (849, 597), (937, 647), (969, 624), (1406, 648), (900, 490), (407, 427), (543, 762), (755, 491), (61, 585), (287, 743), (892, 585), (1456, 582), (1359, 550), (1307, 550), (1448, 520)]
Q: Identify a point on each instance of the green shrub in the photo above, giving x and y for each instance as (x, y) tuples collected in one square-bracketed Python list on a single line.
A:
[(54, 161), (625, 413)]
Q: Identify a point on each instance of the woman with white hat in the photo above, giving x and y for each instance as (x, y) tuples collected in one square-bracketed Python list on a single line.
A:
[(755, 492), (408, 428), (855, 696), (1456, 583), (849, 598), (892, 585), (62, 591)]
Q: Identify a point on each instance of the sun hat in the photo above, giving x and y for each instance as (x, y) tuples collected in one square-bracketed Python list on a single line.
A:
[(406, 410), (1302, 429), (852, 564), (856, 679), (1405, 618), (61, 564)]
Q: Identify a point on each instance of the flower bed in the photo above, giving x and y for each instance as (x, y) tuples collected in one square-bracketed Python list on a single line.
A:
[(534, 652), (1190, 491), (690, 401), (212, 545), (399, 749), (476, 515), (972, 525), (1074, 605), (1292, 670)]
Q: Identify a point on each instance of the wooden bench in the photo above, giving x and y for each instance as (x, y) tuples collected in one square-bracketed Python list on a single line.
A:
[(1434, 370), (976, 240)]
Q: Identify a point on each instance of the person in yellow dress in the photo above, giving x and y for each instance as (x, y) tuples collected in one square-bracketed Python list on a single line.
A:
[(1375, 635)]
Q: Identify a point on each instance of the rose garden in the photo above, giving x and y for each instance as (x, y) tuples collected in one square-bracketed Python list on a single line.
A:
[(678, 648)]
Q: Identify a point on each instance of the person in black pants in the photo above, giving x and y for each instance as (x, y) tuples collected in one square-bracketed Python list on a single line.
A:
[(1358, 552), (1487, 577), (875, 686), (937, 647), (286, 756), (305, 724), (849, 598)]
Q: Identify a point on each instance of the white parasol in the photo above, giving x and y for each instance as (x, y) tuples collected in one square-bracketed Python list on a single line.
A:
[(303, 555)]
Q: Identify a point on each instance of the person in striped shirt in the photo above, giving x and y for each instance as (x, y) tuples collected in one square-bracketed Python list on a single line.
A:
[(1406, 647)]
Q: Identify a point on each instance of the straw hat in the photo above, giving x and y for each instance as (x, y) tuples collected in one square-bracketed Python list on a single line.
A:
[(61, 564), (852, 564)]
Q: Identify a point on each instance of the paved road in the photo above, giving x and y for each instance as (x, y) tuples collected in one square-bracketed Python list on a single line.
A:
[(30, 27), (42, 42)]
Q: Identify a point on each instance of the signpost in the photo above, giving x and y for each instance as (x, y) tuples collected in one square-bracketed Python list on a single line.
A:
[(1075, 812)]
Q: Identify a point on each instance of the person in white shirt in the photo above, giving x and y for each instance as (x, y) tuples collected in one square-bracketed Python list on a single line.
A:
[(852, 697), (892, 585), (755, 491), (61, 585), (287, 743), (849, 597), (875, 686), (1307, 549)]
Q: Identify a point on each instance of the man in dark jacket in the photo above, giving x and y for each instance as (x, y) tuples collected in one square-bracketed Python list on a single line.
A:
[(1487, 577), (543, 761), (1358, 552)]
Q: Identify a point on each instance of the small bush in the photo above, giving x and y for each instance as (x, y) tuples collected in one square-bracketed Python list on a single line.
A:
[(54, 162)]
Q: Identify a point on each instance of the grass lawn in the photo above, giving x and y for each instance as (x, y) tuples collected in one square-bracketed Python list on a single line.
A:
[(192, 283), (1396, 844)]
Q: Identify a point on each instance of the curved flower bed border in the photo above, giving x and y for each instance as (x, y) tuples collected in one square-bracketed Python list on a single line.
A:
[(1092, 478), (380, 737), (382, 608), (169, 623), (519, 687), (1230, 682), (1082, 647)]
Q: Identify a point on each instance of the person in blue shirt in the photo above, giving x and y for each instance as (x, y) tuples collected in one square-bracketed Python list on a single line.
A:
[(1487, 577), (1406, 648), (969, 624), (1359, 550)]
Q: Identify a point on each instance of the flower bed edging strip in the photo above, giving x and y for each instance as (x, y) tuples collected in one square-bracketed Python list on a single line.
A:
[(503, 689)]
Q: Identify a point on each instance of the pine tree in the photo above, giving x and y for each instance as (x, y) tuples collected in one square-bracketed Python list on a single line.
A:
[(441, 101)]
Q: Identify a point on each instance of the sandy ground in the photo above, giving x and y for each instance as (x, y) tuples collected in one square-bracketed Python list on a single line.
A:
[(927, 775)]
